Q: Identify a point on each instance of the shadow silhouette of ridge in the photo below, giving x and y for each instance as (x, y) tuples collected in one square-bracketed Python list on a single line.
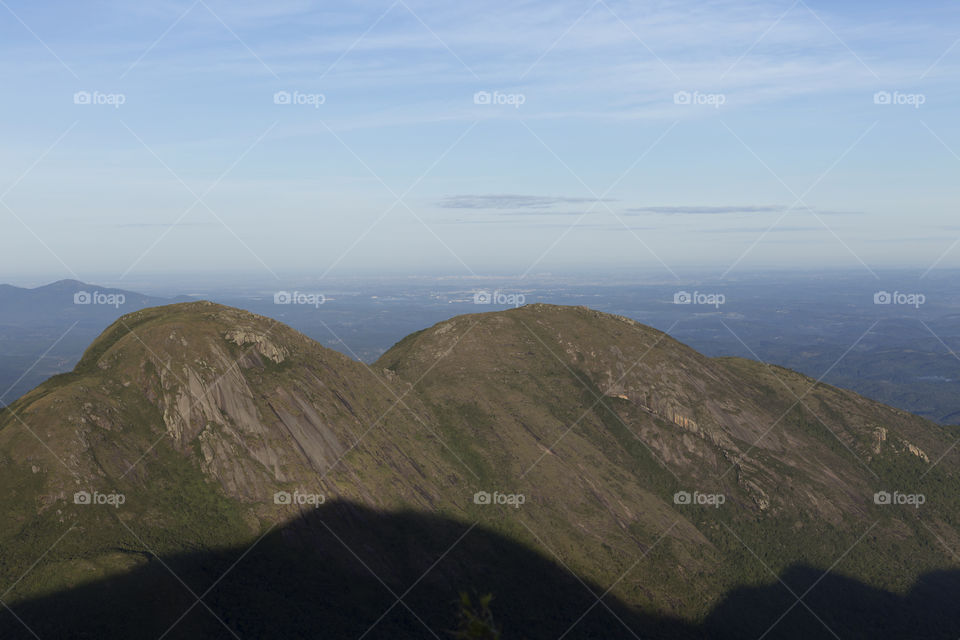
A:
[(340, 571)]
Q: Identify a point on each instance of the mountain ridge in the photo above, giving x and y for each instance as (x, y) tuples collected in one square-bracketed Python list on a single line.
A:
[(598, 421)]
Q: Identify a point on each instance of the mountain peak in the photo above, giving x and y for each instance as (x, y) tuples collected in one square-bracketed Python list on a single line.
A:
[(183, 331), (63, 285)]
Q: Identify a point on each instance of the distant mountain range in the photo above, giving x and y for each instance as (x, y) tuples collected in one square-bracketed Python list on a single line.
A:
[(208, 472), (43, 331), (70, 299)]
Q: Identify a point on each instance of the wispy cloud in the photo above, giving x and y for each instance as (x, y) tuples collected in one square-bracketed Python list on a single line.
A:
[(749, 209), (511, 201), (164, 225), (762, 230), (708, 210)]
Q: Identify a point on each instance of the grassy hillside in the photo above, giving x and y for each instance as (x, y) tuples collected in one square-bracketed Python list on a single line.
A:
[(671, 479)]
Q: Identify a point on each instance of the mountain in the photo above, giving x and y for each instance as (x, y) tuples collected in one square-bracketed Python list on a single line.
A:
[(68, 299), (44, 330), (570, 462)]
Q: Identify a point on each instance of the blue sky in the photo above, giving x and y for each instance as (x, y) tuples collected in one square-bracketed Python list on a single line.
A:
[(726, 136)]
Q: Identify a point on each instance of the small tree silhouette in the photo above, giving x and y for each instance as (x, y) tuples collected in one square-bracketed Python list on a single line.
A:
[(476, 620)]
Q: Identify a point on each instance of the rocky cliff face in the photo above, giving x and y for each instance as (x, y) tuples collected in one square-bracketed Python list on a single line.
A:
[(597, 440)]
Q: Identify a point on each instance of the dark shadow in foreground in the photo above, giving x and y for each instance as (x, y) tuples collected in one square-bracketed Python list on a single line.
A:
[(345, 571)]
